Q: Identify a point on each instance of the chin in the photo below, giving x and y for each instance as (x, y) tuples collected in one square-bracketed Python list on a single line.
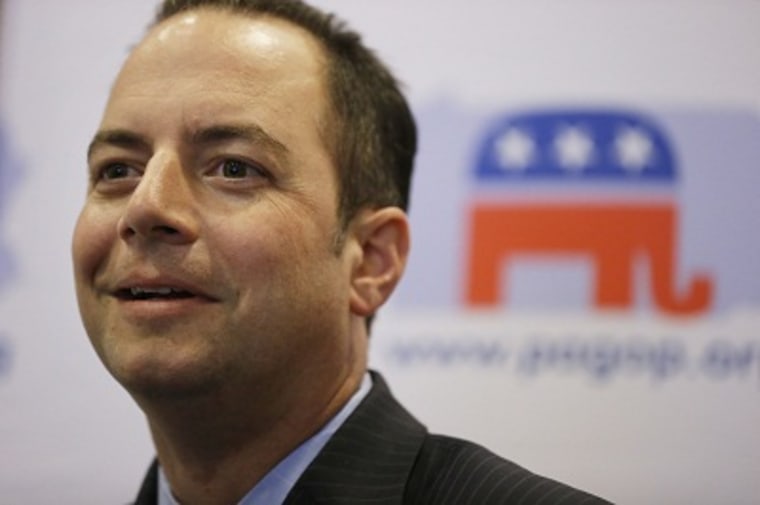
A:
[(151, 375)]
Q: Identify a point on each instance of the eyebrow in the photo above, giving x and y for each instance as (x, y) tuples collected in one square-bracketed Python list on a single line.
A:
[(211, 135), (118, 138), (230, 132)]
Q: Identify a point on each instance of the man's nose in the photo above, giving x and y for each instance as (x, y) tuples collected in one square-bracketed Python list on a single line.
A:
[(162, 206)]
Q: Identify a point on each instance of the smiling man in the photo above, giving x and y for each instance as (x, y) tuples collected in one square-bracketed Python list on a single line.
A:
[(244, 221)]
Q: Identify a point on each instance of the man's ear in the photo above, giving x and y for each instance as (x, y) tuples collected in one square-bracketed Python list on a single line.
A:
[(383, 235)]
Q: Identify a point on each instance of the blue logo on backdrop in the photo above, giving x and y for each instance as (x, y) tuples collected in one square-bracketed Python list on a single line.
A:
[(8, 175), (557, 145), (6, 356)]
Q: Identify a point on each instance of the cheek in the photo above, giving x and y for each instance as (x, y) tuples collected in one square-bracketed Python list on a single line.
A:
[(277, 256), (94, 234), (264, 235), (247, 256)]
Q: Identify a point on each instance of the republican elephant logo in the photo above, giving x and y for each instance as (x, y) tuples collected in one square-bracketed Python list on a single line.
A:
[(595, 184)]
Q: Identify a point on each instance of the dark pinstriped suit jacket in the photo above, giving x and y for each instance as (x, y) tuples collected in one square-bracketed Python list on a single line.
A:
[(383, 456)]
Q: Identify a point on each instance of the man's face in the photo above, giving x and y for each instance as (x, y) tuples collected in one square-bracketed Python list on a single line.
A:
[(205, 251)]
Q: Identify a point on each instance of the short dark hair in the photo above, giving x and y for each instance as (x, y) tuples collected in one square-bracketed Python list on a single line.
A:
[(371, 134)]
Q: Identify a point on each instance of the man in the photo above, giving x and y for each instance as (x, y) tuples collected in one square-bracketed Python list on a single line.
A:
[(244, 221)]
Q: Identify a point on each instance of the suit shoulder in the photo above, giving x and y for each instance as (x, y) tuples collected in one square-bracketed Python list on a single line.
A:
[(451, 471)]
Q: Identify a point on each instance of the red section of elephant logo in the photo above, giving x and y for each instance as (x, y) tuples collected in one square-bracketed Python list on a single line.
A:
[(591, 151)]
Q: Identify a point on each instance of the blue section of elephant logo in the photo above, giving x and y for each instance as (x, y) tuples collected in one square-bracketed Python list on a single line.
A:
[(619, 146)]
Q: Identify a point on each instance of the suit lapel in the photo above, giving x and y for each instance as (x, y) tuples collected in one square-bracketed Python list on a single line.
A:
[(368, 459)]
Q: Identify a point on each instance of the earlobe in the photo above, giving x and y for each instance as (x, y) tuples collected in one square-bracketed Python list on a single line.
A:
[(383, 235)]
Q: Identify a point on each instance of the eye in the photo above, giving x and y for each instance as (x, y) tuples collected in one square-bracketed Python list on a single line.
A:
[(238, 169), (114, 171), (235, 169)]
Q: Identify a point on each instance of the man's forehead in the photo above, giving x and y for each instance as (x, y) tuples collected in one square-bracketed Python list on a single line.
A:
[(264, 36), (229, 49)]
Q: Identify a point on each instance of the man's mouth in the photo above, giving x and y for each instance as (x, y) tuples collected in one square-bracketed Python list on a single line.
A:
[(137, 293)]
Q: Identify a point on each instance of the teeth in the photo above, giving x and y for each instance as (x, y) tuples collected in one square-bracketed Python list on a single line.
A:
[(136, 291)]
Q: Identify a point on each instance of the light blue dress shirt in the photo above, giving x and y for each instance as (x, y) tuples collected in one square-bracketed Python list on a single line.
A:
[(275, 486)]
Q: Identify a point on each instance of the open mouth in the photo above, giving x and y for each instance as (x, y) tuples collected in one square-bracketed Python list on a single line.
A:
[(162, 293)]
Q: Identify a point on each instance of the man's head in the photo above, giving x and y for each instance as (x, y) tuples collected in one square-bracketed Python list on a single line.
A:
[(370, 130), (206, 253)]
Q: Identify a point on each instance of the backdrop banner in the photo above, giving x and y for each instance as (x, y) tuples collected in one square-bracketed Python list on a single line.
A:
[(582, 295)]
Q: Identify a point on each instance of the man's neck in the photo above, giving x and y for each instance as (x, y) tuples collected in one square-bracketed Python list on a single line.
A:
[(214, 449)]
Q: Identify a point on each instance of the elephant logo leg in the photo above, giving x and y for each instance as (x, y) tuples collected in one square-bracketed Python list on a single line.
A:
[(611, 235)]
